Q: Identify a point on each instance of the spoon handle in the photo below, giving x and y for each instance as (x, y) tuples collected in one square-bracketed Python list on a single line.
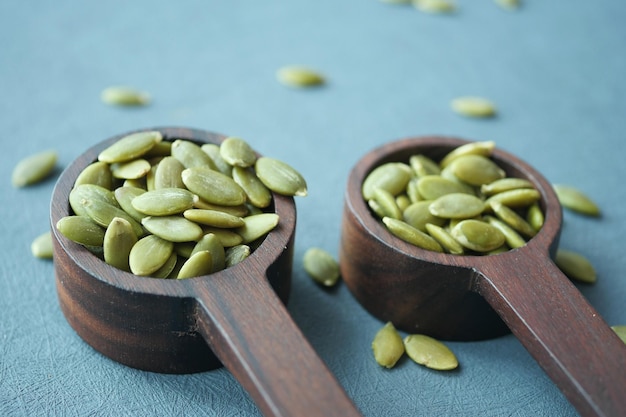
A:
[(562, 331), (249, 329)]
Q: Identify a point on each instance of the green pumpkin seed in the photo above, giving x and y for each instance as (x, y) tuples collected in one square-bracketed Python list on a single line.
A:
[(184, 249), (376, 208), (191, 155), (434, 6), (321, 266), (387, 346), (213, 218), (97, 173), (403, 202), (457, 206), (256, 226), (411, 235), (167, 268), (130, 147), (258, 194), (213, 151), (392, 176), (82, 230), (575, 266), (132, 170), (445, 239), (621, 332), (298, 76), (119, 239), (512, 219), (280, 177), (239, 210), (431, 187), (228, 238), (534, 216), (430, 352), (473, 106), (574, 199), (476, 170), (34, 168), (484, 148), (211, 243), (124, 96), (168, 173), (237, 152), (164, 201), (41, 246), (160, 150), (418, 215), (213, 186), (138, 183), (85, 192), (200, 263), (511, 237), (522, 197), (102, 213), (477, 235), (172, 228), (412, 190), (387, 203), (423, 165), (124, 196), (236, 254), (505, 184), (149, 254)]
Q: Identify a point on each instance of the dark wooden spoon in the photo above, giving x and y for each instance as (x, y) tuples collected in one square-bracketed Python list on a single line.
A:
[(455, 297), (235, 317)]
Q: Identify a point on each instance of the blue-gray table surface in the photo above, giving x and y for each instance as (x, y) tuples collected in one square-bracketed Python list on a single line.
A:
[(556, 71)]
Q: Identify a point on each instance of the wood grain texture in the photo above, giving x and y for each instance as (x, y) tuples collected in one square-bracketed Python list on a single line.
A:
[(476, 297), (236, 317)]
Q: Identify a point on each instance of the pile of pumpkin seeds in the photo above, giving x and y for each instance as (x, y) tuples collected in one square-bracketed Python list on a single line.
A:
[(176, 209)]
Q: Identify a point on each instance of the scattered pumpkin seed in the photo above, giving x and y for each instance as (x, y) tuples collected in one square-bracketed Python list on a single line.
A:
[(575, 266), (41, 246), (574, 199), (119, 239), (299, 76), (280, 177), (130, 147), (34, 168), (430, 352), (621, 332), (149, 254), (321, 266), (200, 263), (473, 106), (387, 346), (237, 152), (124, 96), (434, 6), (477, 235)]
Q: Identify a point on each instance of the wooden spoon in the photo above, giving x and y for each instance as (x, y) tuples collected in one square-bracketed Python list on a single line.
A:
[(235, 317), (456, 297)]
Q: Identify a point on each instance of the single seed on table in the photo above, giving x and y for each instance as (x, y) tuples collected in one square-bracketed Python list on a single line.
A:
[(298, 76), (575, 266), (391, 176), (213, 218), (191, 155), (172, 228), (83, 192), (130, 170), (387, 346), (418, 215), (621, 332), (257, 225), (445, 239), (473, 106), (81, 229), (149, 254), (237, 152), (431, 187), (102, 213), (213, 151), (476, 170), (124, 96), (423, 165), (477, 235), (430, 352), (505, 184), (236, 254), (258, 194), (511, 237), (411, 235), (34, 168), (457, 206), (124, 196), (387, 203), (164, 201), (534, 216), (280, 177), (511, 218), (213, 186), (200, 263), (321, 266), (96, 173), (130, 147), (211, 243), (41, 246), (119, 239), (167, 174), (574, 199), (522, 197), (434, 6), (484, 148)]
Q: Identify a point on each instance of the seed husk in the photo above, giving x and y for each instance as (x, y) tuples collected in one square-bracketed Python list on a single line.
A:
[(237, 152), (445, 239), (191, 155), (124, 96), (280, 177), (84, 192), (200, 263), (213, 151), (236, 254), (476, 170), (418, 215), (130, 147), (173, 228), (299, 76), (511, 218), (168, 173), (621, 332), (434, 6), (431, 187), (258, 194), (164, 201), (484, 148), (473, 106), (457, 206), (211, 243), (574, 199), (213, 186), (97, 173), (411, 235), (119, 239), (130, 170), (213, 218), (387, 346), (257, 225), (321, 266), (430, 352), (477, 235), (575, 266), (391, 176), (41, 246), (81, 229), (34, 168), (149, 254)]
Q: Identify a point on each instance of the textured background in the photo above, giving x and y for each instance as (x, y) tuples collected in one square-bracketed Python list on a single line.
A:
[(555, 69)]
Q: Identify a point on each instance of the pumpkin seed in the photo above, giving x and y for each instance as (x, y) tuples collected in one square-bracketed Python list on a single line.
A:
[(132, 170), (257, 225), (213, 186), (236, 254), (167, 268), (484, 148), (431, 187), (138, 183), (412, 190), (124, 196), (512, 219), (423, 165), (200, 263), (534, 216), (444, 238), (97, 173), (130, 147), (239, 210), (227, 238), (213, 218), (258, 194), (213, 151), (168, 173), (505, 184), (387, 203), (457, 206), (102, 213), (321, 266), (473, 107), (84, 192), (172, 228), (211, 243), (280, 177), (34, 168), (511, 237), (149, 254), (124, 96), (575, 266), (392, 176), (411, 235), (434, 6), (403, 202), (418, 215), (387, 346), (376, 208), (191, 155), (160, 149), (119, 239), (237, 152), (298, 76), (621, 332), (41, 246), (476, 170), (164, 201), (477, 235), (430, 352), (81, 229), (522, 197), (574, 199)]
